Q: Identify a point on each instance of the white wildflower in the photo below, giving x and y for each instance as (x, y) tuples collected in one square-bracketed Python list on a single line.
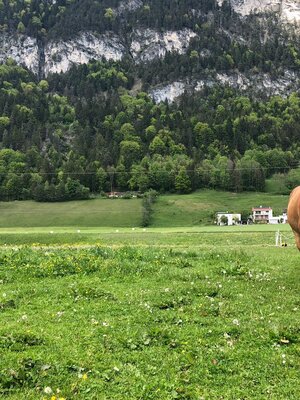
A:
[(48, 390), (60, 314)]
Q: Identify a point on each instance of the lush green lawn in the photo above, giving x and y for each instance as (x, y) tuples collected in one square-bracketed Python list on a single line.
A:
[(170, 314)]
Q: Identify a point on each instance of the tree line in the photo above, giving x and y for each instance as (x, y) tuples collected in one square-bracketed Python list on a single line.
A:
[(85, 133)]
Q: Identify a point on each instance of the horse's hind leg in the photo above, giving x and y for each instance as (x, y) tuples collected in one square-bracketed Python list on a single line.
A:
[(297, 239)]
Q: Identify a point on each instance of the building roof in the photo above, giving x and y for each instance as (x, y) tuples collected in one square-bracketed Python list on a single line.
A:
[(227, 213), (260, 208)]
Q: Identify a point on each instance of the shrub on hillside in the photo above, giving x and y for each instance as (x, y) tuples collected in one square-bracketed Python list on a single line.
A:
[(148, 199)]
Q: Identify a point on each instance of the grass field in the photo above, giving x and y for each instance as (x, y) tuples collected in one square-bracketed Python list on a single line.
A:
[(200, 207), (235, 236), (157, 314), (91, 213), (194, 209), (185, 311)]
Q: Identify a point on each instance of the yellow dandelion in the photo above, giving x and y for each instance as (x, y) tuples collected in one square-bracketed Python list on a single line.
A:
[(84, 377)]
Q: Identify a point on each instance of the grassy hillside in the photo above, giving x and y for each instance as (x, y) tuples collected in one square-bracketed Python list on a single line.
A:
[(194, 209), (199, 208)]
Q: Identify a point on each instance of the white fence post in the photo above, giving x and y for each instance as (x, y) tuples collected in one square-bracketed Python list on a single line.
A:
[(278, 239)]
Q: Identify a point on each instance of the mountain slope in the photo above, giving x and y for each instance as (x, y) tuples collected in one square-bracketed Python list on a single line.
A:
[(241, 43), (81, 117)]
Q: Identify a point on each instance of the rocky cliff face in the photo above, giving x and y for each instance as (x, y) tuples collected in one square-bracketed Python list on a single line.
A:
[(60, 56), (258, 83), (24, 50), (143, 45), (146, 44), (288, 10), (129, 5)]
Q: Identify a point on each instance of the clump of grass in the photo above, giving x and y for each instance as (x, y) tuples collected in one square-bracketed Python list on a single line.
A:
[(6, 305), (19, 341), (90, 293)]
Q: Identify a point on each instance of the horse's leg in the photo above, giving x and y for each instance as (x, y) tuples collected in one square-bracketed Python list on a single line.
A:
[(297, 239)]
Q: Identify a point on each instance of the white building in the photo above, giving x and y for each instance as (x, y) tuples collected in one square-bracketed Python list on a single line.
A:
[(262, 214), (280, 219), (265, 215), (232, 219)]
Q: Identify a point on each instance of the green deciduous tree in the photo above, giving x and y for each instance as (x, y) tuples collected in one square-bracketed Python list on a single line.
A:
[(182, 181)]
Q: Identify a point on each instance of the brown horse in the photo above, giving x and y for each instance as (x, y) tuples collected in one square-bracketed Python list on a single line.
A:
[(293, 213)]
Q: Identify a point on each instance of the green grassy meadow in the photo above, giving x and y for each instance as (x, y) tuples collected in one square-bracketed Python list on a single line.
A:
[(200, 207), (194, 209), (117, 312), (90, 213), (168, 316)]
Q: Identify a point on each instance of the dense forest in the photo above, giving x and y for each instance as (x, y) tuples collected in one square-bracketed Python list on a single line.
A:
[(89, 131), (84, 132)]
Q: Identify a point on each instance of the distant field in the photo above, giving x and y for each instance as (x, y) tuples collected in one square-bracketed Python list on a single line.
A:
[(96, 212), (194, 209), (198, 236)]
